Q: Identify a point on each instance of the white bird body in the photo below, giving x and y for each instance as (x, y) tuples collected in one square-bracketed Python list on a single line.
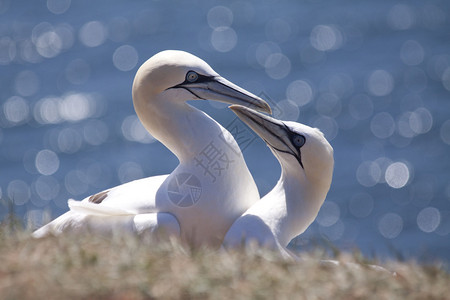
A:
[(159, 226), (134, 197), (307, 163), (204, 193), (292, 205)]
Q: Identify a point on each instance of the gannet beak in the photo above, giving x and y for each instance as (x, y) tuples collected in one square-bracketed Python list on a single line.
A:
[(219, 89), (274, 132)]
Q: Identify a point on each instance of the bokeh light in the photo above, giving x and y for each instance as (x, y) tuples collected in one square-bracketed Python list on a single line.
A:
[(47, 162), (16, 110), (47, 188), (75, 183), (334, 232), (277, 66), (397, 175), (428, 219), (8, 50), (18, 191), (58, 6), (380, 83), (329, 214), (46, 111), (125, 58), (133, 130), (220, 16), (446, 78), (265, 50), (93, 34), (69, 140), (76, 107), (129, 171), (328, 126), (326, 37), (401, 17), (224, 39), (95, 132), (287, 110), (382, 125), (390, 225), (445, 132), (412, 53), (300, 91), (368, 173)]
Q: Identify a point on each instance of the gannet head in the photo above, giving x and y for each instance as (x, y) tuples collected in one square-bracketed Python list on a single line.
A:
[(178, 76), (300, 149)]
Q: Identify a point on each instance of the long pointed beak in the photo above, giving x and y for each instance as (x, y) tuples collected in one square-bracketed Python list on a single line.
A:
[(274, 132), (220, 89)]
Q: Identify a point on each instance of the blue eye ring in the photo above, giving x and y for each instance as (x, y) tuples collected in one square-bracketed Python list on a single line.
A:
[(298, 140), (191, 76)]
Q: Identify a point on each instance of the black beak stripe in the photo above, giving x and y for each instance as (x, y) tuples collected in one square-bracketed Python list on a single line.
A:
[(297, 155)]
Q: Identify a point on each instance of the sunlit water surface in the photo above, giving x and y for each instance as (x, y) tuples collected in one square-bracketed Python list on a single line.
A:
[(373, 76)]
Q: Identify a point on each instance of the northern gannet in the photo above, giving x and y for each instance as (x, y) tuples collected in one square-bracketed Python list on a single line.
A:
[(307, 163), (210, 187)]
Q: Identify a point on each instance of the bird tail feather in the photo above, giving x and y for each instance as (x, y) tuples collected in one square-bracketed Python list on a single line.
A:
[(94, 209)]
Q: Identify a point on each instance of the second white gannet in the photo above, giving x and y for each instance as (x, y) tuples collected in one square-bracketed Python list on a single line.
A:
[(210, 187), (307, 163)]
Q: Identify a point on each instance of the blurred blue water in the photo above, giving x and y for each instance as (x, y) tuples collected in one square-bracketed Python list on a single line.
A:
[(373, 75)]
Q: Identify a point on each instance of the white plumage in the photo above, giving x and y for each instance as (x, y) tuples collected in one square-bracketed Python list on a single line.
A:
[(210, 187), (306, 160)]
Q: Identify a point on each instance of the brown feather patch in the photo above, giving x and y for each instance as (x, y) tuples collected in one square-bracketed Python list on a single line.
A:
[(98, 198)]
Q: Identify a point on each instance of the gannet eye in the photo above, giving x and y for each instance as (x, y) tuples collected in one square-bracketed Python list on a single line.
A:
[(298, 140), (191, 76)]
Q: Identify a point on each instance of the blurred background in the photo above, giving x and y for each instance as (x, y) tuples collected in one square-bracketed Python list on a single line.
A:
[(374, 76)]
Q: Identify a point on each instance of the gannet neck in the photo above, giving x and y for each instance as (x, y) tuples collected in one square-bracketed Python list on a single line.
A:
[(291, 206), (182, 128), (302, 198)]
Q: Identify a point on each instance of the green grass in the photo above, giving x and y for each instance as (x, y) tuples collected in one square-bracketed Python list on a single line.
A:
[(124, 267)]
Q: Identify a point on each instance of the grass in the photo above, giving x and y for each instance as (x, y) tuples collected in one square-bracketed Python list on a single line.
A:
[(124, 267)]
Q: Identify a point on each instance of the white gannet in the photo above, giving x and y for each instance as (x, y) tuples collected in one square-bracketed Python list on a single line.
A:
[(210, 187), (307, 162)]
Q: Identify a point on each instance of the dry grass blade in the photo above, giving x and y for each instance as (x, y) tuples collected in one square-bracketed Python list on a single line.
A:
[(124, 267)]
